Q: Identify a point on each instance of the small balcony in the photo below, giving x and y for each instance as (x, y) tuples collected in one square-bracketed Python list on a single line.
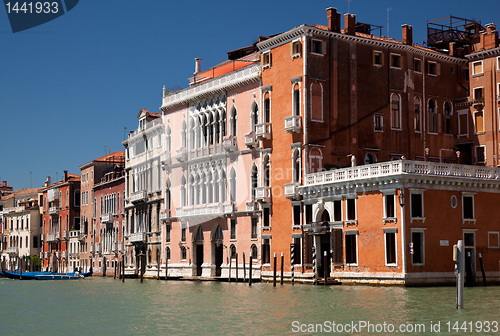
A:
[(252, 205), (74, 233), (263, 131), (82, 235), (138, 237), (52, 237), (74, 255), (181, 154), (166, 158), (64, 235), (292, 191), (229, 143), (120, 247), (263, 194), (107, 218), (42, 236), (115, 247), (46, 255), (293, 124), (12, 251), (97, 247), (251, 140), (91, 247), (64, 254), (478, 103), (228, 207), (138, 196), (164, 214), (54, 210)]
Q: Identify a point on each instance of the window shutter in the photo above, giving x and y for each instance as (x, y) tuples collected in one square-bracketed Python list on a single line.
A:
[(261, 59), (323, 47), (300, 47), (373, 57), (382, 58), (337, 246), (307, 255), (270, 59), (291, 48), (438, 69), (440, 124)]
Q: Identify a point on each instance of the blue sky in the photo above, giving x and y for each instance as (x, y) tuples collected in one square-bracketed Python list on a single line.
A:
[(70, 86)]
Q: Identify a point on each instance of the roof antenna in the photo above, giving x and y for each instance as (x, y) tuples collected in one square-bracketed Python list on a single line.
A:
[(349, 6), (388, 9), (105, 147), (31, 180)]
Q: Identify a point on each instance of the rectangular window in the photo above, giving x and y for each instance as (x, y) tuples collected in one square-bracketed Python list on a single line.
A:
[(255, 221), (317, 47), (351, 256), (233, 228), (296, 102), (493, 239), (337, 246), (378, 123), (468, 207), (480, 157), (390, 206), (309, 216), (432, 68), (477, 68), (390, 248), (296, 215), (417, 239), (167, 239), (266, 59), (297, 255), (478, 122), (295, 49), (266, 251), (351, 208), (396, 61), (478, 95), (463, 128), (417, 65), (417, 206), (337, 211), (267, 217), (378, 58)]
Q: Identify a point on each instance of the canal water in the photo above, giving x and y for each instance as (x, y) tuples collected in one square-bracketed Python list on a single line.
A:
[(104, 306)]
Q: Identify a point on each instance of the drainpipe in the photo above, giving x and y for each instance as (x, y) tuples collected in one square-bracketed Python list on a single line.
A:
[(304, 93), (403, 235)]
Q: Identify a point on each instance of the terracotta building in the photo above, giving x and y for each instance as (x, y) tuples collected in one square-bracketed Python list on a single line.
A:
[(60, 215)]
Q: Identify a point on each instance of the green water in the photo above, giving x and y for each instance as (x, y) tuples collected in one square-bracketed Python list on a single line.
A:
[(103, 306)]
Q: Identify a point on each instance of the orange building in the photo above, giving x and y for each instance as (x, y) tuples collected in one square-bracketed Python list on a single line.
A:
[(60, 215)]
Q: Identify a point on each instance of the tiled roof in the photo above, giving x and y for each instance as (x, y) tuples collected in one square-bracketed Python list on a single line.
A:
[(153, 114), (227, 67), (21, 192)]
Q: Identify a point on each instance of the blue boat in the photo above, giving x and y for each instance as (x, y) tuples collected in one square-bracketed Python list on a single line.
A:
[(21, 276), (54, 276)]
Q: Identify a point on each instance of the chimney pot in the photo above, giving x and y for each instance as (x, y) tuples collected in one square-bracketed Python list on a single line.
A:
[(65, 175), (350, 24), (197, 66), (333, 20), (407, 34)]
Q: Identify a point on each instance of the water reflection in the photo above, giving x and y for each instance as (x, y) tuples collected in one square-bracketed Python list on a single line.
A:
[(106, 306)]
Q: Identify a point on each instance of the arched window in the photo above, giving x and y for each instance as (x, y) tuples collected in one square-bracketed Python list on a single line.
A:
[(233, 186), (233, 251), (316, 101), (217, 127), (223, 123), (205, 131), (433, 118), (296, 166), (448, 112), (168, 200), (210, 189), (267, 171), (395, 111), (67, 198), (183, 253), (233, 121), (167, 253), (77, 197), (254, 116), (204, 187), (254, 252), (315, 160), (26, 242), (168, 139), (199, 126), (216, 183), (210, 129), (267, 108), (417, 114), (191, 190), (370, 158), (296, 100), (223, 186), (254, 180), (183, 134), (192, 134), (183, 191)]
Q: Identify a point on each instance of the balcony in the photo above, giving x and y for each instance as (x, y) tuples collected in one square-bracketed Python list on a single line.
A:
[(114, 247), (181, 154), (230, 143), (263, 194), (41, 237), (97, 247), (52, 237), (212, 209), (251, 140), (46, 255), (107, 218), (91, 247), (139, 196), (292, 191), (64, 254), (138, 237), (54, 210), (164, 214), (293, 124), (120, 247), (74, 255), (82, 235), (263, 131), (74, 233), (228, 207), (64, 235), (166, 158), (12, 251), (252, 205), (478, 103)]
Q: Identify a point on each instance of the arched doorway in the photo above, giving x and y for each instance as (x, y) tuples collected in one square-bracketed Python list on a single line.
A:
[(323, 243), (218, 248), (198, 251)]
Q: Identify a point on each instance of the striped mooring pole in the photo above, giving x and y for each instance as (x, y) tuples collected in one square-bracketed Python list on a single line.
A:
[(314, 265), (292, 260)]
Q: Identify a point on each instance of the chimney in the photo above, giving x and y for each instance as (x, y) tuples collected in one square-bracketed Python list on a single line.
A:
[(65, 175), (350, 24), (4, 183), (197, 66), (407, 34), (452, 48), (333, 20), (47, 181), (460, 52)]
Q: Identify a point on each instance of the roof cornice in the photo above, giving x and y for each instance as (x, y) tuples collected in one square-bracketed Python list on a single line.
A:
[(484, 54), (232, 80), (308, 30)]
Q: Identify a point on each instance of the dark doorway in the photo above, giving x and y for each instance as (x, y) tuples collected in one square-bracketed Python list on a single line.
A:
[(199, 259), (219, 249), (465, 150), (324, 247)]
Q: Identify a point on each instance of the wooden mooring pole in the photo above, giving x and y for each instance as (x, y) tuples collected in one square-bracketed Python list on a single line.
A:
[(325, 268), (274, 271), (250, 271), (237, 278), (282, 262), (244, 269)]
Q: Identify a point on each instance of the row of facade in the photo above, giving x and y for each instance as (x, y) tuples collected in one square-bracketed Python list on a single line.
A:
[(379, 154)]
